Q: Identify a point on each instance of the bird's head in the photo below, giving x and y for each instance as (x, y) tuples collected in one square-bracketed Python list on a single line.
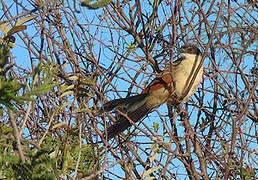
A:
[(190, 49)]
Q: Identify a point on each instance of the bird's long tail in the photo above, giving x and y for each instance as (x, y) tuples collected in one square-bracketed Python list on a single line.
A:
[(133, 107)]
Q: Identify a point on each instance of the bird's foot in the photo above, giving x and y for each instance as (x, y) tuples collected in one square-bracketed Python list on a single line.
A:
[(183, 113)]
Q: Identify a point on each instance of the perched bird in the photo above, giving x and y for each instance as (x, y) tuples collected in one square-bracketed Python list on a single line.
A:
[(173, 84)]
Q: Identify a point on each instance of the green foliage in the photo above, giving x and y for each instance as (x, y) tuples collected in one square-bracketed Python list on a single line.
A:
[(95, 4), (9, 87), (247, 173), (56, 156), (131, 47), (44, 75), (89, 155), (89, 159), (38, 165), (4, 54)]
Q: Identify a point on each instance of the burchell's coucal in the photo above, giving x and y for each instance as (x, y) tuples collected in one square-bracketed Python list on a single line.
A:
[(173, 83)]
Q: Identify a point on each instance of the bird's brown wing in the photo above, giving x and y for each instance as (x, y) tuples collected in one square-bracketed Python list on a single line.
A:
[(163, 80)]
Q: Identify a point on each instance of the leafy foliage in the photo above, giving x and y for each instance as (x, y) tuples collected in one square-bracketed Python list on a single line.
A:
[(37, 166), (55, 156), (10, 88)]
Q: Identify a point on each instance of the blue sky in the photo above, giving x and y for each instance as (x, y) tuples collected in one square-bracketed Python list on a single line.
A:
[(109, 59)]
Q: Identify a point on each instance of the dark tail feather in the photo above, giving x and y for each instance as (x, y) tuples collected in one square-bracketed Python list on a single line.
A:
[(123, 123), (128, 101)]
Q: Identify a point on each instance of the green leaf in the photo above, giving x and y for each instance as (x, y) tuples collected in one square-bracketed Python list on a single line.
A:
[(66, 93), (131, 47), (155, 126), (6, 130), (59, 125), (62, 106), (21, 99), (73, 78), (24, 20), (95, 5), (88, 81), (16, 29), (64, 88), (42, 89)]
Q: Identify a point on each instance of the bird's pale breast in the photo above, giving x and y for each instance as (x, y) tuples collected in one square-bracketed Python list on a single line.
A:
[(183, 71)]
